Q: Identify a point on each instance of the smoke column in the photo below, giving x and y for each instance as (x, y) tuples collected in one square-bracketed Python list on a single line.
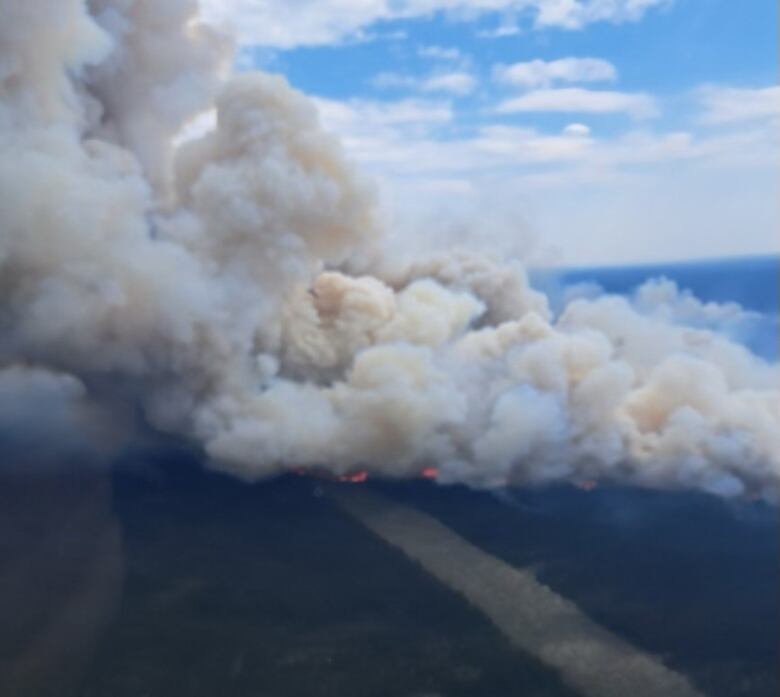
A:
[(238, 290)]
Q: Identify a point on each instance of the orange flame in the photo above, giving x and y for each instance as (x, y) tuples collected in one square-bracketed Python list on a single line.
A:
[(429, 473), (354, 478), (586, 485)]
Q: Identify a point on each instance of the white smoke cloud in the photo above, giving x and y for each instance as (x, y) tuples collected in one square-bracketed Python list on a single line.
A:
[(238, 289)]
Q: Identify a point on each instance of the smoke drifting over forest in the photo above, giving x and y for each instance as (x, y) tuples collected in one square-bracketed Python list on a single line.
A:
[(237, 288)]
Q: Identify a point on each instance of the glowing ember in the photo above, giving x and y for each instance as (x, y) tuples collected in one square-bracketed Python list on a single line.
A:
[(429, 473), (586, 485), (355, 478)]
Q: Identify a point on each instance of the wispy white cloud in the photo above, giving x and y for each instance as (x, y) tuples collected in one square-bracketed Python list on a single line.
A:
[(365, 36), (415, 138), (457, 83), (445, 53), (391, 81), (392, 122), (500, 32), (286, 24), (723, 105), (411, 138), (520, 145), (575, 14), (644, 193), (539, 73), (577, 100), (577, 129)]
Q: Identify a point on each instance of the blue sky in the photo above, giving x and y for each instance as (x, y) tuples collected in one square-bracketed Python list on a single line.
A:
[(605, 130)]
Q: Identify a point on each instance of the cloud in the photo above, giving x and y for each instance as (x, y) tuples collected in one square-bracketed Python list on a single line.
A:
[(362, 36), (360, 114), (458, 83), (620, 188), (724, 105), (539, 73), (416, 137), (575, 14), (520, 145), (500, 32), (389, 80), (411, 138), (576, 129), (578, 100), (449, 53), (284, 24)]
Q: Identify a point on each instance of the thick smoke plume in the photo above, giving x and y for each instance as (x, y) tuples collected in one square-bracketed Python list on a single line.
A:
[(236, 288)]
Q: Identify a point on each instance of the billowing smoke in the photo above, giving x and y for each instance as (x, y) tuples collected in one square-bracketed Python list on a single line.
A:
[(236, 288)]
